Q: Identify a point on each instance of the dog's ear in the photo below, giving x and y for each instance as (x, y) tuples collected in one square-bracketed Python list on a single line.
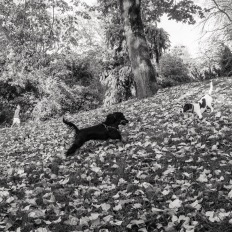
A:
[(187, 107), (110, 119)]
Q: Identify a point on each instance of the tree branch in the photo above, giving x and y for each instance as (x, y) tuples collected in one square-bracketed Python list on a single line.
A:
[(222, 11)]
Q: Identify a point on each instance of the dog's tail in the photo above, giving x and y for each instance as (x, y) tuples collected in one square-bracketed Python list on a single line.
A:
[(211, 88), (70, 124)]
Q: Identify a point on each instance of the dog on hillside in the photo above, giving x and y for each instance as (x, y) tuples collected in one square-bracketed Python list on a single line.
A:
[(16, 119), (202, 105), (103, 131)]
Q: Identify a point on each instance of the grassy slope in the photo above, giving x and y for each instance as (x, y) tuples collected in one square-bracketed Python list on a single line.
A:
[(172, 175)]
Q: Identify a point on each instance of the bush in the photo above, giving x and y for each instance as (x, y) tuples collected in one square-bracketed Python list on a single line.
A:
[(226, 61), (4, 116), (65, 83), (172, 71), (13, 93), (79, 82), (204, 69), (119, 84)]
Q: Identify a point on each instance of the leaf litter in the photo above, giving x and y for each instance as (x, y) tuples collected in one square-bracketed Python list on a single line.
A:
[(173, 173)]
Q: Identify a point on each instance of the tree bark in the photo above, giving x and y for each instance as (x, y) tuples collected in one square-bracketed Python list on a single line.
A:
[(143, 71)]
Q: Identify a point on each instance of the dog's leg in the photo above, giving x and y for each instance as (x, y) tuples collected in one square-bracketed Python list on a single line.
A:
[(211, 108), (74, 147), (123, 140), (72, 150), (114, 134), (198, 110)]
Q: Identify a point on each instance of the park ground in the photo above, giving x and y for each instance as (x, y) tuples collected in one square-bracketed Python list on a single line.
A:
[(173, 173)]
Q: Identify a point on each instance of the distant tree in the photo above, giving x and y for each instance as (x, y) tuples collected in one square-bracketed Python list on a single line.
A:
[(182, 52), (36, 42), (158, 41), (31, 29), (201, 69), (218, 20), (226, 62), (173, 70), (208, 62)]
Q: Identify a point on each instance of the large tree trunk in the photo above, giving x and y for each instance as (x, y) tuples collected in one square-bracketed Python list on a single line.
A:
[(143, 71)]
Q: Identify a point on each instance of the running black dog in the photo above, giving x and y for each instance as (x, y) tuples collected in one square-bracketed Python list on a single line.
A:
[(103, 131)]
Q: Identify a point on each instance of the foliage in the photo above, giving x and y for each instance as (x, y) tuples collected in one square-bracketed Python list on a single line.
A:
[(205, 73), (158, 40), (215, 60), (151, 12), (217, 27), (31, 32), (28, 25), (37, 70), (219, 19), (83, 80), (209, 61), (181, 11), (18, 88), (6, 113), (226, 61), (178, 179), (116, 74), (173, 70), (119, 85), (182, 52), (67, 83), (72, 87)]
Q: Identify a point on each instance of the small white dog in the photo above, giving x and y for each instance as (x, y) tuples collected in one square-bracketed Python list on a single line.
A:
[(201, 106), (16, 119)]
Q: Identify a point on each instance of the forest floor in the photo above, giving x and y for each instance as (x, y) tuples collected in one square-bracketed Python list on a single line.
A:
[(173, 173)]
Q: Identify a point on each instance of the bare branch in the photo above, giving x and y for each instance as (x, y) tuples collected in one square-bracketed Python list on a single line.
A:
[(222, 11), (219, 29)]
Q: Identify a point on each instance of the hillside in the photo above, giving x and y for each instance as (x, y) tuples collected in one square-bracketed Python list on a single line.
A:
[(171, 174)]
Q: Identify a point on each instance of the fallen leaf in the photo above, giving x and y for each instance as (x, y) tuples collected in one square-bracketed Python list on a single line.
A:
[(175, 204), (105, 207)]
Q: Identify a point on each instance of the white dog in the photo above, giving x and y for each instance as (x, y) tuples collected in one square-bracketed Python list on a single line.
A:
[(201, 106), (16, 119)]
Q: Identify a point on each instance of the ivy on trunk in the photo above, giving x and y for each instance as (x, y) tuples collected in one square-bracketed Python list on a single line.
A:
[(143, 71)]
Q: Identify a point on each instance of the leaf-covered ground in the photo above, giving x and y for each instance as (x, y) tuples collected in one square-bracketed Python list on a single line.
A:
[(173, 173)]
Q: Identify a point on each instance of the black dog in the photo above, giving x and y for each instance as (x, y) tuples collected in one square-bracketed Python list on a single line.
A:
[(103, 131)]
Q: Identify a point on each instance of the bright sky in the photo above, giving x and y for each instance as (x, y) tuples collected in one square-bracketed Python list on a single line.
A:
[(89, 2), (185, 34), (182, 34)]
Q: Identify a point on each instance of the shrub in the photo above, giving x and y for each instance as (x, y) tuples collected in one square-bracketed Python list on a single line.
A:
[(53, 89), (79, 82), (172, 71), (13, 92), (119, 84), (226, 61), (4, 116)]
